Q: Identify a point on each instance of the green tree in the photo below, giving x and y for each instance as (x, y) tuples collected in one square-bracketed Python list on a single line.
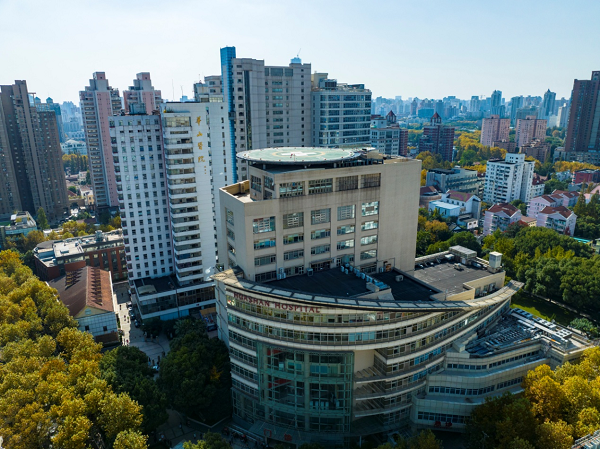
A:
[(41, 220), (522, 206), (210, 441), (585, 325), (580, 208), (195, 375)]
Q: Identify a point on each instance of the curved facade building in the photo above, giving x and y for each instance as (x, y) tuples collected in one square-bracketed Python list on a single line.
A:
[(346, 347)]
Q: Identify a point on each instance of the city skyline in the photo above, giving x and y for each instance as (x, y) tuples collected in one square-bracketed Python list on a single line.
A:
[(409, 57)]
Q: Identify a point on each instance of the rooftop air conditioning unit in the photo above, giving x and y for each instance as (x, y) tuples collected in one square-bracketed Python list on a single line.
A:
[(399, 278), (309, 271)]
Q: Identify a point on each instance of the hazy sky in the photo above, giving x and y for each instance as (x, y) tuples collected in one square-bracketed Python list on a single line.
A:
[(412, 48)]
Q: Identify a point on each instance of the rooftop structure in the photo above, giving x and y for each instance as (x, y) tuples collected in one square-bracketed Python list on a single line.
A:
[(21, 223)]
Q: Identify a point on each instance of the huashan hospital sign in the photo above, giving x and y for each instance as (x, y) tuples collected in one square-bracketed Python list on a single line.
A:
[(275, 304)]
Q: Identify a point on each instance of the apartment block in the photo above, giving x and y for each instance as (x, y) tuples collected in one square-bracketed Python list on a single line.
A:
[(500, 216), (98, 102), (537, 149), (30, 156), (456, 178), (561, 219), (508, 180), (341, 113), (530, 128), (389, 140), (141, 93), (437, 138), (493, 129)]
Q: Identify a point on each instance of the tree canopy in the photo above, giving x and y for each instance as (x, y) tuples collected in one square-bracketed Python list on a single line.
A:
[(51, 391)]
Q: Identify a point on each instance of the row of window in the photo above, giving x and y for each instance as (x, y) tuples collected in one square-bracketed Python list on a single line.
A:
[(476, 391), (491, 365), (316, 186), (442, 417)]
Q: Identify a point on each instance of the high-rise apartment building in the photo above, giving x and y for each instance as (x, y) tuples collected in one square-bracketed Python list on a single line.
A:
[(388, 139), (508, 180), (530, 128), (341, 113), (98, 102), (142, 92), (548, 105), (49, 105), (515, 104), (269, 106), (494, 129), (140, 171), (30, 156), (584, 118), (437, 138)]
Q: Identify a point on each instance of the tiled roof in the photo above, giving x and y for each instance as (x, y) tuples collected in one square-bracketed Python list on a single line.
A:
[(562, 210), (507, 208), (88, 286), (459, 196), (428, 190)]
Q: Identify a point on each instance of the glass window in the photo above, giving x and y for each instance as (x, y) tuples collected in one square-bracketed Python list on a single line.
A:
[(320, 234), (347, 183), (229, 215), (293, 220), (264, 260), (347, 229), (269, 183), (370, 254), (320, 216), (264, 243), (320, 186), (263, 225), (343, 244), (263, 277), (291, 255), (370, 208), (255, 183), (368, 240), (320, 249), (369, 225), (346, 212), (289, 189), (293, 238), (372, 180)]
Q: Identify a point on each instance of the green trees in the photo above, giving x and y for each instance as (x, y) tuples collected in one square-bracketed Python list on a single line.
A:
[(41, 220), (51, 392), (210, 441), (126, 370), (586, 326), (195, 374)]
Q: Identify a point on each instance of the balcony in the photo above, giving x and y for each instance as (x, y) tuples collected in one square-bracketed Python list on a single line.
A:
[(183, 249), (187, 239)]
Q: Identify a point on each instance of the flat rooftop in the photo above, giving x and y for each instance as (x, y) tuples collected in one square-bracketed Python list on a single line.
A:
[(445, 277), (298, 155), (151, 286), (335, 283)]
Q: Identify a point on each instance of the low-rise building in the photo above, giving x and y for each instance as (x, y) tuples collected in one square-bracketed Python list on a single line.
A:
[(21, 223), (73, 146), (537, 149), (586, 175), (510, 147), (500, 216), (530, 222), (555, 199), (537, 186), (561, 219), (105, 250), (453, 204), (428, 194), (564, 175), (459, 179), (88, 294)]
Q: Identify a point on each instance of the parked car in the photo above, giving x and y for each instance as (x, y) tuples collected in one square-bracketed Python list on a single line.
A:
[(136, 323)]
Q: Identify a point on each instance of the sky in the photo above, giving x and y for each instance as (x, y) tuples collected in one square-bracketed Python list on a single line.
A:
[(427, 49)]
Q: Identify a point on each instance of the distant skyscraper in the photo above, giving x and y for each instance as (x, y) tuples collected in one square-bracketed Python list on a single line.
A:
[(548, 104), (142, 92), (439, 108), (99, 101), (494, 129), (515, 104), (335, 102), (437, 138), (49, 105), (583, 131), (496, 106), (474, 105), (31, 158), (530, 128)]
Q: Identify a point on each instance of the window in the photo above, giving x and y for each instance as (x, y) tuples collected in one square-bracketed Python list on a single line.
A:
[(347, 229), (343, 244), (293, 238), (370, 208), (291, 255), (320, 234), (269, 183), (264, 260), (255, 183), (289, 189), (369, 240), (370, 254), (229, 215), (367, 225), (346, 212), (293, 220), (320, 186), (230, 234), (263, 277), (321, 249), (264, 243), (320, 216), (373, 180), (292, 271), (263, 225), (347, 183)]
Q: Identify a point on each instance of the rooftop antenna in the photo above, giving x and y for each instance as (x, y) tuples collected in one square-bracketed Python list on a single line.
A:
[(181, 90), (173, 89)]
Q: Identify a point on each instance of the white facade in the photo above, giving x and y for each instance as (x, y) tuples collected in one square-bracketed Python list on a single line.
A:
[(508, 180), (141, 185), (196, 150), (341, 113)]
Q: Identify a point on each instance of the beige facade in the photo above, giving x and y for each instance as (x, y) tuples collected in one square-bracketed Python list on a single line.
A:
[(494, 129), (270, 234)]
